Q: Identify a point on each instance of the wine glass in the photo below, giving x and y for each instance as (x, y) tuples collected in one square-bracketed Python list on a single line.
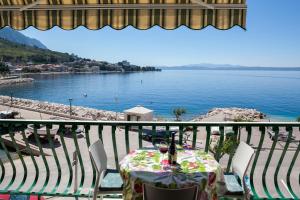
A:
[(163, 148)]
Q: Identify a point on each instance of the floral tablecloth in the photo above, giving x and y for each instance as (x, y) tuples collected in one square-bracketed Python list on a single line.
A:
[(144, 166)]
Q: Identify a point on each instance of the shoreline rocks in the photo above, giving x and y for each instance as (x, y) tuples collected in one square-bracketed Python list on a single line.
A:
[(15, 81), (62, 110), (231, 114)]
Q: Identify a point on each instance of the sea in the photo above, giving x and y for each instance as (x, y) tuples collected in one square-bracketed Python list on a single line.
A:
[(275, 93)]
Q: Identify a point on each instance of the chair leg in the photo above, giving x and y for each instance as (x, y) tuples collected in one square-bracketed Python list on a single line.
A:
[(95, 196)]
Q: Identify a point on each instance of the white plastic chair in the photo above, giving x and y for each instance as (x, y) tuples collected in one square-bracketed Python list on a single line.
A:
[(235, 181), (108, 181)]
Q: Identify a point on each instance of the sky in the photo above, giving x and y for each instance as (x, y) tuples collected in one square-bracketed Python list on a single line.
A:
[(272, 39)]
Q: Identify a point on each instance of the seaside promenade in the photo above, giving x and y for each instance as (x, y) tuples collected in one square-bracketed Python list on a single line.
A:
[(133, 142)]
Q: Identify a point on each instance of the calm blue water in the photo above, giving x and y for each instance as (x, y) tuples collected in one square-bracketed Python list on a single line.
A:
[(276, 93)]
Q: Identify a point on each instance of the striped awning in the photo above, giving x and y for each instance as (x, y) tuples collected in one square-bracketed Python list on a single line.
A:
[(118, 14)]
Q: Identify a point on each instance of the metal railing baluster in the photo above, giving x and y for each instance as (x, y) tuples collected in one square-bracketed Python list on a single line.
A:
[(127, 139), (62, 140), (37, 140), (11, 134), (50, 139), (88, 142), (235, 131), (2, 172), (74, 128), (249, 134), (180, 135), (153, 134), (289, 129), (113, 134), (208, 130), (140, 132), (290, 171), (11, 162), (195, 130), (100, 132), (167, 135), (276, 130), (262, 129), (36, 177), (219, 149)]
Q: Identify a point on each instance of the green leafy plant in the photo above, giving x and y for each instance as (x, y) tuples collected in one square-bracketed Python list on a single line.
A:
[(240, 119), (178, 112), (4, 69), (230, 144)]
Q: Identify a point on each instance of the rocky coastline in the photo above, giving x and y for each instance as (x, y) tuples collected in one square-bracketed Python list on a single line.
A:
[(232, 114), (60, 110)]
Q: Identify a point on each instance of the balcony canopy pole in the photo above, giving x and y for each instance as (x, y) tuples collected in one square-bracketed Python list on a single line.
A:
[(30, 5), (203, 4), (196, 4)]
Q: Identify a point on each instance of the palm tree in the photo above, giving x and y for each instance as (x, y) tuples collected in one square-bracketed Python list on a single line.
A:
[(298, 119), (178, 112)]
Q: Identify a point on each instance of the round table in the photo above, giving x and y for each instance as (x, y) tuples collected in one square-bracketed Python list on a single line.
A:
[(144, 166)]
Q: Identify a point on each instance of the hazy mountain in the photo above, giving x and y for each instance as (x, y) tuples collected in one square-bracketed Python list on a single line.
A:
[(17, 37), (208, 66)]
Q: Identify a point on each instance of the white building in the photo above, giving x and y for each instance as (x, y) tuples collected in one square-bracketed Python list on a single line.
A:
[(138, 113)]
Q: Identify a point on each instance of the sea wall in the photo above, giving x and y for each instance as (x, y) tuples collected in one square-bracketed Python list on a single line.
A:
[(15, 81), (78, 112)]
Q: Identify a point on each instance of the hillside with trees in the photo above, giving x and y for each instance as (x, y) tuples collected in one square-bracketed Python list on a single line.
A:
[(20, 54), (28, 59)]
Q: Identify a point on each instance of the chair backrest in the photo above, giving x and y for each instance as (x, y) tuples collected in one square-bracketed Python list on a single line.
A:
[(98, 156), (156, 193), (241, 159)]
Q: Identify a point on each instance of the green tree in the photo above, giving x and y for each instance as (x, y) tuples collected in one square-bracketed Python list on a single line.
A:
[(178, 112), (298, 119), (4, 69), (31, 70)]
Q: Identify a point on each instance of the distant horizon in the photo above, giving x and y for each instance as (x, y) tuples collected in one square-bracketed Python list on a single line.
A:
[(223, 65)]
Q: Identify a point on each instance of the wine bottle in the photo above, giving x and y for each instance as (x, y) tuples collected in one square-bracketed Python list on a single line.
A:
[(172, 157)]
